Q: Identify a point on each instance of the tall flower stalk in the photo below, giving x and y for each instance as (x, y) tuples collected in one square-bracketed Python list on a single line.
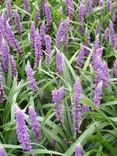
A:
[(21, 129), (34, 123), (57, 96), (31, 81), (76, 107)]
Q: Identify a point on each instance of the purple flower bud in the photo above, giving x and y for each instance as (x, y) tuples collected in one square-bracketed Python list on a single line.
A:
[(32, 35), (12, 40), (43, 32), (97, 94), (48, 16), (115, 69), (43, 6), (105, 74), (80, 56), (48, 48), (53, 142), (17, 21), (2, 94), (90, 4), (8, 7), (108, 2), (34, 123), (112, 35), (5, 54), (82, 12), (60, 33), (26, 6), (31, 81), (59, 63), (106, 34), (76, 107), (2, 151), (85, 108), (13, 66), (66, 31), (38, 49), (57, 96), (22, 132), (78, 150), (37, 16), (69, 7)]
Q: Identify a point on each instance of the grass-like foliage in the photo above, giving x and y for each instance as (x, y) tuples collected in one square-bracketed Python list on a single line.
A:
[(58, 77)]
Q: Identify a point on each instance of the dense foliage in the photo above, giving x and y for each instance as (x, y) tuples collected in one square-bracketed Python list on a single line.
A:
[(58, 77)]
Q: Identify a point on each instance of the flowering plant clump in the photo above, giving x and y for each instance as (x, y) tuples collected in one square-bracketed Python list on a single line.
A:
[(58, 77)]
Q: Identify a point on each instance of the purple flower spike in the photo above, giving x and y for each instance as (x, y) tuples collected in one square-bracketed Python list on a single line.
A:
[(31, 81), (13, 66), (96, 43), (38, 49), (43, 33), (5, 54), (78, 150), (112, 35), (98, 67), (85, 108), (69, 7), (12, 40), (17, 21), (108, 2), (8, 7), (80, 56), (34, 123), (76, 107), (22, 132), (2, 94), (2, 151), (37, 16), (97, 94), (59, 63), (60, 33), (90, 4), (32, 35), (105, 74), (57, 96), (48, 49), (26, 6), (48, 16), (43, 6), (115, 69)]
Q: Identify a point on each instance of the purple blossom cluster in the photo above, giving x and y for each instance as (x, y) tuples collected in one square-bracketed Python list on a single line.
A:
[(76, 107), (8, 7), (37, 48), (69, 7), (21, 129), (78, 150), (2, 151), (57, 95), (97, 94), (59, 63), (48, 48), (31, 81), (34, 123), (63, 32), (17, 21)]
